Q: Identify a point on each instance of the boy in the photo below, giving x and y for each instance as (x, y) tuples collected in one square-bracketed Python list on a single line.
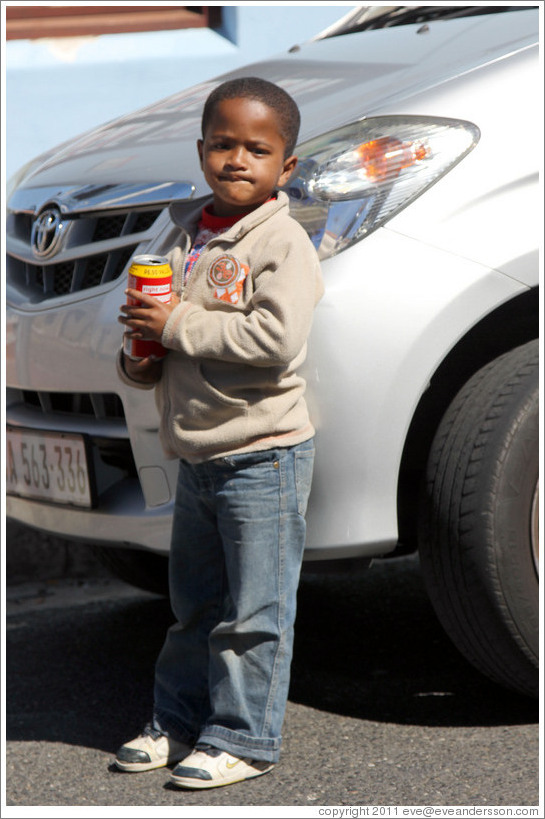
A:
[(232, 410)]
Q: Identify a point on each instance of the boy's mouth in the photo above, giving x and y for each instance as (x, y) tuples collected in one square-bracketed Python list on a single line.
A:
[(233, 178)]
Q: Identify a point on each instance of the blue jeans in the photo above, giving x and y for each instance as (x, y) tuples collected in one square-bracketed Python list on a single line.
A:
[(238, 536)]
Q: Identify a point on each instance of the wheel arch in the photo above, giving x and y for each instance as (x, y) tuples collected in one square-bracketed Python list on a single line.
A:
[(508, 326)]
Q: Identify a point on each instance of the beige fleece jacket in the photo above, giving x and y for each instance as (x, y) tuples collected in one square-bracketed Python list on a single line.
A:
[(230, 380)]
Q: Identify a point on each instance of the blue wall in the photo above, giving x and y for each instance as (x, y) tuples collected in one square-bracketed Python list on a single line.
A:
[(59, 87)]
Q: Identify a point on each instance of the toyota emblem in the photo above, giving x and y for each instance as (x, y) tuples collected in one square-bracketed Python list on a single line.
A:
[(47, 232)]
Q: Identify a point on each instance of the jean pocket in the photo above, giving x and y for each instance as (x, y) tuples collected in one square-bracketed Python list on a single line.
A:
[(304, 466), (261, 458)]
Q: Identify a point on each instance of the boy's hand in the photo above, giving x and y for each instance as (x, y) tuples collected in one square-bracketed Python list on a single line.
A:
[(147, 319), (147, 370)]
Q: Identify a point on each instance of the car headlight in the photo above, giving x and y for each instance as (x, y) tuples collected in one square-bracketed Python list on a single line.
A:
[(352, 180)]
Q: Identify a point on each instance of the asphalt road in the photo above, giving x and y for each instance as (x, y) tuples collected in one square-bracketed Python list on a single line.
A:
[(382, 709)]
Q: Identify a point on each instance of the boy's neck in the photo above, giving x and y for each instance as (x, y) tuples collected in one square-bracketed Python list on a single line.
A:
[(213, 210)]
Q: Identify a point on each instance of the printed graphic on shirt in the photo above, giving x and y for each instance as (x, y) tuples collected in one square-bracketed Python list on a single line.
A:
[(227, 275), (203, 236)]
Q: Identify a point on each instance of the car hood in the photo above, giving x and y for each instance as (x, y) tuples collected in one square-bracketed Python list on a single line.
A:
[(334, 81)]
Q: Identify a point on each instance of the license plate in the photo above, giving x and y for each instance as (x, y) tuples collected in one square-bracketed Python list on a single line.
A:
[(48, 466)]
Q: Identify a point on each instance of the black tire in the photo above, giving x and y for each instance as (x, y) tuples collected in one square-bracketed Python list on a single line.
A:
[(478, 539), (145, 570)]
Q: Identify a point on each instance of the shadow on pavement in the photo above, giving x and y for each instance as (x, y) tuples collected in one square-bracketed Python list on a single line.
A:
[(375, 644), (367, 646)]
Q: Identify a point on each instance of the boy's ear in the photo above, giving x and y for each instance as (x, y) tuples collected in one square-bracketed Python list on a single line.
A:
[(200, 150), (289, 166)]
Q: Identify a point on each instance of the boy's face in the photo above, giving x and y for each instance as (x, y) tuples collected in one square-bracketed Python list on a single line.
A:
[(242, 155)]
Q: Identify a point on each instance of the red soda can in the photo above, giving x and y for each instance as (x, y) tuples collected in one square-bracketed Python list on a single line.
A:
[(151, 275)]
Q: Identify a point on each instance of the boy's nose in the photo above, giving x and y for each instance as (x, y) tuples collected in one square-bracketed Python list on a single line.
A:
[(237, 157)]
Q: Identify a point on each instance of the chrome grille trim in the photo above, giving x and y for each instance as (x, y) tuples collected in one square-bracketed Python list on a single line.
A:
[(99, 198)]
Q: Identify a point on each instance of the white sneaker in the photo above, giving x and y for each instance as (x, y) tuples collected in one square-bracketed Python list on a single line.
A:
[(212, 768), (151, 749)]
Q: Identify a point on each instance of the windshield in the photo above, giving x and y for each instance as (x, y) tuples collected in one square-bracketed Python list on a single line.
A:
[(365, 18)]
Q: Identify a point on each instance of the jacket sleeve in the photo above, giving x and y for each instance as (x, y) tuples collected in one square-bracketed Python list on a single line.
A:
[(274, 328)]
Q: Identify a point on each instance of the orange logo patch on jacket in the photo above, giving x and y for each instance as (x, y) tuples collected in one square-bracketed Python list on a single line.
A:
[(226, 274)]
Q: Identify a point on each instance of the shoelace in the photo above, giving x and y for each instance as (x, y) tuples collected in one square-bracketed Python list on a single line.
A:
[(150, 731), (209, 750)]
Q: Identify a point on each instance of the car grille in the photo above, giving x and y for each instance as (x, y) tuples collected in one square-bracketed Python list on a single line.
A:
[(61, 241), (47, 280), (97, 405)]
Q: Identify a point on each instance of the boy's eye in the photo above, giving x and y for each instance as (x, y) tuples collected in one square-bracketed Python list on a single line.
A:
[(224, 145)]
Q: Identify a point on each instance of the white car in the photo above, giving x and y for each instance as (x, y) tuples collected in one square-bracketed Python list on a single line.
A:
[(418, 183)]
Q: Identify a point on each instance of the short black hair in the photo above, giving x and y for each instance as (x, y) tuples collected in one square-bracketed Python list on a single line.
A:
[(266, 92)]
